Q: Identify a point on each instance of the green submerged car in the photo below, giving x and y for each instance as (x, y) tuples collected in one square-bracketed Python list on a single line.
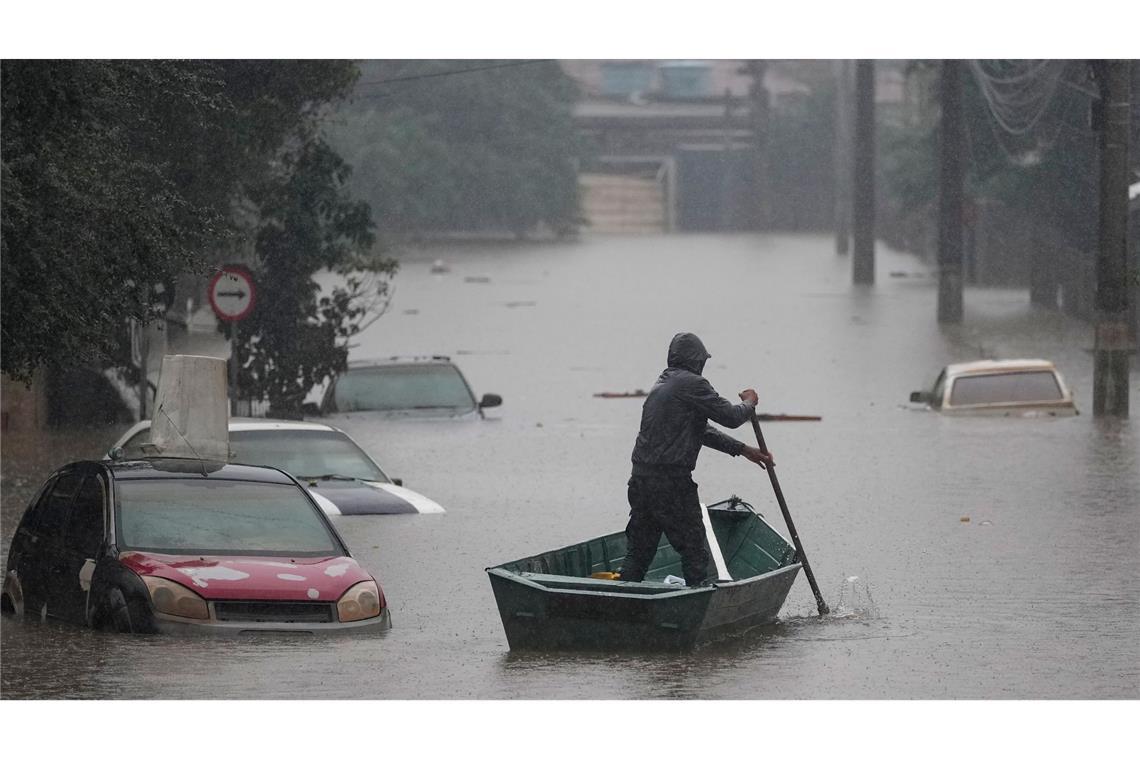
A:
[(550, 600)]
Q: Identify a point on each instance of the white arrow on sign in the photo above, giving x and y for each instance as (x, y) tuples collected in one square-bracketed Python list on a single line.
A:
[(232, 293)]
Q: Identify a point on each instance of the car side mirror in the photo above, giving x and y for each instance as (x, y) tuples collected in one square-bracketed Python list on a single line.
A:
[(920, 397), (489, 400), (309, 409), (115, 454), (397, 481)]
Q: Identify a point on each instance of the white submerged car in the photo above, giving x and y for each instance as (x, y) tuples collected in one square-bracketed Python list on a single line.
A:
[(1007, 387), (339, 475)]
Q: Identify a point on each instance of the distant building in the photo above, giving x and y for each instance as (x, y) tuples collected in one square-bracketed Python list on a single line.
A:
[(674, 145)]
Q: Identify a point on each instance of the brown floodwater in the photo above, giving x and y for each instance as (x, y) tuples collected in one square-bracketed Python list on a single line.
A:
[(963, 558)]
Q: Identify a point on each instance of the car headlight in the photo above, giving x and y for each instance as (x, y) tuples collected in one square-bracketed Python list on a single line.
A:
[(359, 602), (172, 598)]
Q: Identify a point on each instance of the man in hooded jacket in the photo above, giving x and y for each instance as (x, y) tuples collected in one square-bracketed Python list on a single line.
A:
[(674, 426)]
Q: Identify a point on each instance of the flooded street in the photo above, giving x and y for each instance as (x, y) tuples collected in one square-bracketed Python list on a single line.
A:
[(962, 558)]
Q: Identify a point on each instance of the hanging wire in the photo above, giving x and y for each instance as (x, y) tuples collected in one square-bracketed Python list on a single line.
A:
[(1019, 93), (452, 72)]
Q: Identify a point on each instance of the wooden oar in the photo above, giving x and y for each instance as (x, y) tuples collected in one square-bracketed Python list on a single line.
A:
[(800, 555)]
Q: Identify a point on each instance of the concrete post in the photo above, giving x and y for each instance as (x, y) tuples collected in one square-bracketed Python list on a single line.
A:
[(1110, 363), (864, 185), (950, 209), (841, 156)]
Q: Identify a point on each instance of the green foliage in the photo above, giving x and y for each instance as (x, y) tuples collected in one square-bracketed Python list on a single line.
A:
[(485, 150), (308, 223), (120, 175), (303, 222), (1049, 175), (1052, 176), (101, 200), (802, 175)]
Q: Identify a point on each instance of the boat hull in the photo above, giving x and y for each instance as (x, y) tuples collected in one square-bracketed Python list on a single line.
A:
[(550, 602), (537, 617)]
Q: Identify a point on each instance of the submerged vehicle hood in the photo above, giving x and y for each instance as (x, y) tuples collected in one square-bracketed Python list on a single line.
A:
[(365, 497), (439, 413), (323, 579)]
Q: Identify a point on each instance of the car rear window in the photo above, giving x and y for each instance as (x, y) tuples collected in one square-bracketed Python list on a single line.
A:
[(200, 516), (304, 453), (402, 386), (1011, 387)]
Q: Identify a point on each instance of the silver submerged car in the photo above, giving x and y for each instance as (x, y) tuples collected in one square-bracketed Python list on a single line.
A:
[(417, 386), (338, 474)]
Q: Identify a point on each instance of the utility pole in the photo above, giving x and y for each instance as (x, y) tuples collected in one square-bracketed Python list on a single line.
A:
[(864, 184), (841, 156), (761, 208), (950, 176), (1110, 363)]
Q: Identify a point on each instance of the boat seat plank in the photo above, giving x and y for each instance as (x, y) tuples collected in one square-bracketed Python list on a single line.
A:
[(596, 584)]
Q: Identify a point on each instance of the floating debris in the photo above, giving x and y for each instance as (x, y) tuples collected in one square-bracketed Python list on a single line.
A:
[(630, 394), (964, 519), (411, 311), (516, 304), (439, 266), (476, 279)]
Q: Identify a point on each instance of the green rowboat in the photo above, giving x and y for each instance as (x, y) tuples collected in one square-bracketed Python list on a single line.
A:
[(549, 601)]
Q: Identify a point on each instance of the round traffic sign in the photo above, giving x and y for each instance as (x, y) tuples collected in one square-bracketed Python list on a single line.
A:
[(232, 293)]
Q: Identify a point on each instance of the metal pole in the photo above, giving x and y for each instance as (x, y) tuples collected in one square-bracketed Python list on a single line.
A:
[(144, 368), (864, 184), (234, 368), (1110, 363), (950, 196)]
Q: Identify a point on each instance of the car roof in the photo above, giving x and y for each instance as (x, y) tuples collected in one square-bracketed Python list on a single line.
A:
[(984, 366), (264, 423), (177, 468), (238, 424), (393, 360)]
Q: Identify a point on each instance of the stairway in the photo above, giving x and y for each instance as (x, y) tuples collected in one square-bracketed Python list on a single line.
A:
[(622, 204)]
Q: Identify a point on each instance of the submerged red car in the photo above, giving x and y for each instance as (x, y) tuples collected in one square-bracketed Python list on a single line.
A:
[(165, 545)]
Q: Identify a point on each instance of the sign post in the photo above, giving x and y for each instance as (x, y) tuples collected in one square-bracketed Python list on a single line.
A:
[(232, 296)]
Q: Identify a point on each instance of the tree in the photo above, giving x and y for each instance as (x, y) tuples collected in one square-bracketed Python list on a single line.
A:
[(95, 211), (479, 150), (120, 175), (308, 223)]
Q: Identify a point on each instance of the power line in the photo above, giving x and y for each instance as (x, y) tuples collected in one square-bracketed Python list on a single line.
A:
[(1018, 92), (452, 72)]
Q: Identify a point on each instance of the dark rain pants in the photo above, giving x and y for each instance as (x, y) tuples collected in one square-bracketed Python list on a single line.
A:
[(666, 505)]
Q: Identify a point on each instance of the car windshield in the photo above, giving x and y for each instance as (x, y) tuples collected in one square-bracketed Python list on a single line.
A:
[(200, 516), (1006, 388), (402, 386), (304, 453)]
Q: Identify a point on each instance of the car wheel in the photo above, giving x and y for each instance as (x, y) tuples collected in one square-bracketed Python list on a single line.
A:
[(116, 614)]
